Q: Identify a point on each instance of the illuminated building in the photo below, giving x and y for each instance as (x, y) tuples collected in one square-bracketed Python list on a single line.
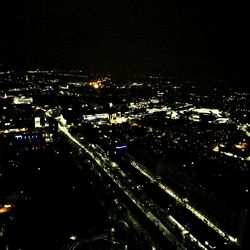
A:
[(22, 100)]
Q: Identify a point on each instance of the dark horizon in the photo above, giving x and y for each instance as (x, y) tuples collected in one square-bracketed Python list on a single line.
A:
[(130, 37)]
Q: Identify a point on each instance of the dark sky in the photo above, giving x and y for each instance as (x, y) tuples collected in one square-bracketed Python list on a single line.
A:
[(192, 38)]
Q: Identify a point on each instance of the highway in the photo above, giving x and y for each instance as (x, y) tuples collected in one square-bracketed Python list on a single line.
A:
[(183, 201), (198, 214), (117, 176), (164, 222)]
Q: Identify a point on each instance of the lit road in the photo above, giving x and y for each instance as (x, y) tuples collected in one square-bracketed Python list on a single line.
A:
[(116, 175), (182, 201)]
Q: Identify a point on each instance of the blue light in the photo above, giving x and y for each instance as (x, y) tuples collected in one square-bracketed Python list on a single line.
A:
[(18, 137), (121, 147)]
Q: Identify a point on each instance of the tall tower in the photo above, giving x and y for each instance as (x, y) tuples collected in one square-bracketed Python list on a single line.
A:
[(110, 111)]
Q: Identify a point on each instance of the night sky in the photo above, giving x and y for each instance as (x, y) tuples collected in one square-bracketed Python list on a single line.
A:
[(127, 36)]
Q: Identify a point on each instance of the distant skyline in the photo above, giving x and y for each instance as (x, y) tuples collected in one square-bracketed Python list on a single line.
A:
[(186, 39)]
